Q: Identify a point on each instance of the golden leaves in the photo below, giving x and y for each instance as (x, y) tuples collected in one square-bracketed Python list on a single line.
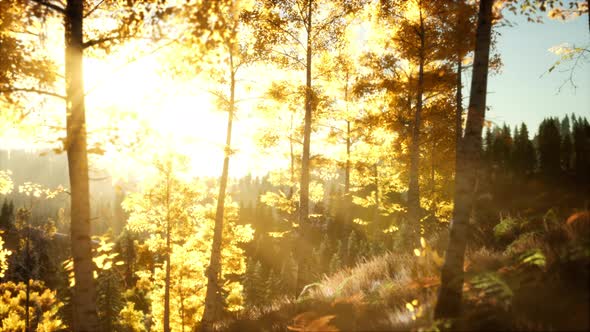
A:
[(6, 184), (4, 253), (38, 191)]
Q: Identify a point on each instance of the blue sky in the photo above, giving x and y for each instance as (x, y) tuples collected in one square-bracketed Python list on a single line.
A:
[(524, 91)]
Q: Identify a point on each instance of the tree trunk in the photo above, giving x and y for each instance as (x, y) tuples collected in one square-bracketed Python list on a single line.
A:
[(414, 183), (458, 110), (304, 247), (84, 297), (459, 106), (304, 188), (166, 322), (292, 159), (347, 196), (449, 300), (28, 277), (213, 298), (377, 198)]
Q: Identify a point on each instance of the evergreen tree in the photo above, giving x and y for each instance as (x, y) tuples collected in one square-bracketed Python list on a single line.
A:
[(6, 215), (581, 148), (352, 248), (254, 284), (288, 275), (567, 148), (524, 152), (110, 298), (549, 142), (488, 146), (272, 286), (336, 261)]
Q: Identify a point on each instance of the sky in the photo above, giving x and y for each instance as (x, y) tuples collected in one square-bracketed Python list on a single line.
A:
[(523, 91)]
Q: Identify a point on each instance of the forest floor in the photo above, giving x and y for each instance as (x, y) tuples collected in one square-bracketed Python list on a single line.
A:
[(536, 278)]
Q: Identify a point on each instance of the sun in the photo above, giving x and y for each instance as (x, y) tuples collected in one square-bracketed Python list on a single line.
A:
[(163, 112)]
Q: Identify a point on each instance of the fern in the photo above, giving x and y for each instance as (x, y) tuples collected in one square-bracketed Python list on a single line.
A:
[(506, 227), (493, 288), (534, 257)]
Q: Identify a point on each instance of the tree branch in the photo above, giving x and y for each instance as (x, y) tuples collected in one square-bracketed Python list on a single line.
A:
[(32, 90), (94, 42), (93, 9), (50, 5)]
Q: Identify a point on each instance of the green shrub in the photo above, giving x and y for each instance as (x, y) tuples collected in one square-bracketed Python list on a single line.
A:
[(507, 228)]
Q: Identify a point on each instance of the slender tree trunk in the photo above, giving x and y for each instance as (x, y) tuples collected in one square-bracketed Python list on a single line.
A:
[(304, 246), (166, 322), (377, 198), (110, 316), (28, 277), (458, 109), (432, 176), (292, 158), (84, 298), (414, 184), (347, 197), (304, 188), (213, 298), (449, 300)]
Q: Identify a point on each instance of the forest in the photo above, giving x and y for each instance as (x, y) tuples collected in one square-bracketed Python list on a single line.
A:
[(291, 165)]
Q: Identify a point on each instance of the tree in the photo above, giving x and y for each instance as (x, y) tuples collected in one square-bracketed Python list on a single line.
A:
[(166, 211), (450, 294), (524, 155), (549, 142), (416, 72), (581, 147), (44, 301), (6, 215), (176, 218), (293, 33), (76, 14), (460, 16), (17, 67), (4, 253), (237, 49)]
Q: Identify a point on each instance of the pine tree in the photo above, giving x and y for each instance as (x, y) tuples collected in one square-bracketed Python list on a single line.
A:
[(567, 150), (271, 286), (488, 146), (6, 215), (352, 248), (524, 153), (566, 144), (288, 275), (254, 284), (581, 148), (336, 261), (549, 142)]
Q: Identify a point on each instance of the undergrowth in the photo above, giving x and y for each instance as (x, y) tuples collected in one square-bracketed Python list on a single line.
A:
[(535, 278)]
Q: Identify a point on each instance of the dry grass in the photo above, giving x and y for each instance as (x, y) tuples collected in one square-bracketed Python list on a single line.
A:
[(398, 291)]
